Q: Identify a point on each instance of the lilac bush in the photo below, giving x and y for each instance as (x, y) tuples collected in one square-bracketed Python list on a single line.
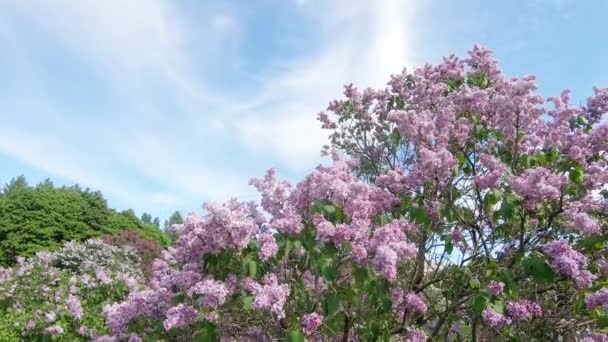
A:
[(459, 205), (451, 155), (62, 293)]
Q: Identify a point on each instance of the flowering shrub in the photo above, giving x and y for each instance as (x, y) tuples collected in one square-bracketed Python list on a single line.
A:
[(146, 249), (62, 293), (452, 155)]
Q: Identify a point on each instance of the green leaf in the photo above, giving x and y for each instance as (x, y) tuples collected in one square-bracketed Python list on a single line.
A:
[(207, 334), (253, 268), (247, 302), (602, 321), (508, 207), (362, 276), (576, 175), (491, 198), (418, 214), (449, 246), (478, 304), (331, 305), (498, 306), (538, 268), (295, 336), (395, 137)]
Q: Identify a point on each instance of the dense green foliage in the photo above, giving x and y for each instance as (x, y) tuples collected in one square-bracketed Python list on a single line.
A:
[(42, 217)]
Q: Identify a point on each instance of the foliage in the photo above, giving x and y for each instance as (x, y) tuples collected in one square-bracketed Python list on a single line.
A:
[(43, 217), (63, 293)]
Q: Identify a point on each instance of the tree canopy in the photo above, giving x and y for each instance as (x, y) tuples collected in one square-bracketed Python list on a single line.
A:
[(43, 217)]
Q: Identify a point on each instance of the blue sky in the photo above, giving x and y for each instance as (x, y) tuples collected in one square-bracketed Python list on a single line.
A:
[(165, 104)]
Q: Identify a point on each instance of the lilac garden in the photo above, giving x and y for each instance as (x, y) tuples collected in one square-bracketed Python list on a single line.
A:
[(458, 205)]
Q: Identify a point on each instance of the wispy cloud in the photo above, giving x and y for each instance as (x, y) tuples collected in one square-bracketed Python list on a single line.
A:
[(156, 126)]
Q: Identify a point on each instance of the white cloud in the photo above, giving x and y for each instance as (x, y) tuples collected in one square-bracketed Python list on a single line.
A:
[(131, 43), (361, 43)]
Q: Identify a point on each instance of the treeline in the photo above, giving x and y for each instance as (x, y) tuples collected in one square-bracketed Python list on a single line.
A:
[(42, 217)]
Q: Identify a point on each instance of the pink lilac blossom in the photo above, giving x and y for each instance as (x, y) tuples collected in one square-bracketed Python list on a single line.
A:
[(314, 283), (414, 303), (495, 171), (406, 303), (180, 316), (54, 330), (390, 247), (415, 335), (602, 264), (311, 322), (268, 248), (275, 201), (73, 304), (493, 319), (270, 296), (337, 183), (103, 277), (599, 298), (536, 185), (327, 231), (144, 303), (523, 309), (212, 293), (597, 105), (580, 221), (596, 338), (568, 262), (496, 288)]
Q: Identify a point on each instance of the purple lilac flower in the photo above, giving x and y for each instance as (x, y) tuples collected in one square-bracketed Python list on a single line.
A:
[(179, 316), (523, 309), (493, 319), (311, 322), (54, 330), (599, 298), (496, 288)]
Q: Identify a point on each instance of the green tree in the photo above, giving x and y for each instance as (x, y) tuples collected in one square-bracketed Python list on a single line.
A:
[(15, 185), (146, 218), (42, 217)]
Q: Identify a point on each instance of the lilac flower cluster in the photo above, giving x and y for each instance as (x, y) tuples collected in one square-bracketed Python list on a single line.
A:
[(407, 303), (568, 262), (596, 338), (179, 316), (495, 171), (415, 335), (269, 247), (496, 288), (598, 298), (270, 295), (494, 319), (311, 322), (390, 247), (537, 185), (523, 309)]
